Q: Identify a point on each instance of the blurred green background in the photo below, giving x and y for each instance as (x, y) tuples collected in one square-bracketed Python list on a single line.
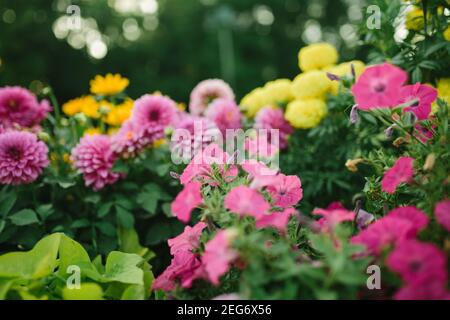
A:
[(166, 45)]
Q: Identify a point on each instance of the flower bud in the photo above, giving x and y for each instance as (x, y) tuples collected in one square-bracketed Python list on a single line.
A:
[(81, 118), (44, 136), (389, 131), (351, 164), (429, 162), (354, 114)]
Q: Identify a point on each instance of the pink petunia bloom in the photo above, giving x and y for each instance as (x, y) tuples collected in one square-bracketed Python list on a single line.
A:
[(246, 201), (270, 118), (260, 146), (186, 201), (417, 217), (219, 255), (191, 135), (442, 213), (425, 96), (182, 270), (422, 133), (22, 157), (256, 169), (129, 140), (277, 220), (188, 240), (94, 158), (427, 290), (19, 106), (379, 86), (225, 114), (334, 214), (286, 191), (417, 262), (402, 171), (206, 92)]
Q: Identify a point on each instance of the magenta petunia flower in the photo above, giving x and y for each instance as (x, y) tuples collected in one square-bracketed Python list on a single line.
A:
[(94, 158), (286, 191), (379, 86), (425, 96), (246, 201), (129, 140), (188, 240), (206, 92), (422, 133), (402, 171), (19, 106), (442, 213), (270, 118), (417, 261), (277, 220), (256, 168), (334, 214), (218, 256), (417, 217), (187, 200), (22, 157), (225, 114), (425, 290)]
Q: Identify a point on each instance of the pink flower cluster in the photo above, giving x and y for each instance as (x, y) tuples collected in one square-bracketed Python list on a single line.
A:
[(208, 91), (334, 214), (271, 118)]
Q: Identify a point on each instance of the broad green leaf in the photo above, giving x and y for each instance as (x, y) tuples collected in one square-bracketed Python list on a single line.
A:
[(7, 203), (104, 209), (24, 217), (122, 267), (71, 253), (44, 211), (124, 217), (87, 291), (5, 285), (133, 292), (2, 225)]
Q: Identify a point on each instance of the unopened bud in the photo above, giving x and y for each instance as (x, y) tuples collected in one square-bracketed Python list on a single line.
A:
[(81, 118), (174, 175), (389, 131), (399, 141), (333, 77), (352, 164), (354, 114), (44, 136), (429, 162)]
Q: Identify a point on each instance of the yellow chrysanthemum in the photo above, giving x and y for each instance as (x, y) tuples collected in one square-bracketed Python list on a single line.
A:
[(108, 85), (305, 114), (447, 34), (443, 88), (344, 69), (90, 107), (118, 114), (92, 131), (311, 85), (278, 91), (317, 56), (253, 102), (74, 106), (414, 19)]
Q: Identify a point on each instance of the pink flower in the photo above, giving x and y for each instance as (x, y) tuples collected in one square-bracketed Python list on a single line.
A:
[(417, 217), (422, 133), (442, 213), (129, 140), (186, 201), (379, 86), (246, 201), (225, 114), (152, 114), (218, 255), (188, 240), (94, 158), (270, 118), (427, 290), (206, 92), (260, 147), (278, 220), (182, 269), (425, 95), (334, 214), (286, 191), (22, 157), (20, 106), (402, 171), (256, 168)]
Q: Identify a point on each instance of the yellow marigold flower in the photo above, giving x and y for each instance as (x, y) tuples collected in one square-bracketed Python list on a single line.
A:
[(90, 107), (414, 19), (74, 106), (443, 88), (311, 85), (447, 34), (344, 69), (118, 114), (253, 102), (317, 56), (92, 131), (108, 85), (278, 91), (305, 114)]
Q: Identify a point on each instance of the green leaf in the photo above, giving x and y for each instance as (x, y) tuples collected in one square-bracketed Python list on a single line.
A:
[(45, 210), (87, 291), (129, 243), (124, 217), (80, 223), (104, 209), (122, 267), (148, 201), (107, 228), (71, 253), (7, 203), (24, 217), (2, 225)]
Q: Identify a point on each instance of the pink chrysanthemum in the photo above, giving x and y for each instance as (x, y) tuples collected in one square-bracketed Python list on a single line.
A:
[(22, 157), (287, 191), (425, 96), (19, 106), (402, 171), (129, 140), (225, 114), (277, 220), (218, 256), (94, 158), (379, 86), (188, 240), (206, 92), (270, 118), (334, 214), (191, 135), (442, 213), (246, 201), (186, 201)]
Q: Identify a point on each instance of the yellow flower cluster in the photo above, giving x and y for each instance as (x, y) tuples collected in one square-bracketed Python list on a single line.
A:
[(414, 19), (108, 85), (447, 34), (317, 56), (305, 114), (85, 104), (443, 88), (119, 113)]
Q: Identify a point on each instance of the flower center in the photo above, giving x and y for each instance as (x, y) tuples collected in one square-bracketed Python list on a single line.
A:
[(154, 115), (415, 266), (14, 153), (12, 104), (379, 87)]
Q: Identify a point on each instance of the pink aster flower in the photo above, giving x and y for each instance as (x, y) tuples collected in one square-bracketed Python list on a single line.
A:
[(225, 114), (186, 201), (442, 213), (219, 255), (379, 86), (246, 201), (425, 96), (277, 220), (22, 157), (129, 140), (402, 171), (188, 240), (206, 92), (19, 106), (286, 191), (94, 158), (270, 118), (334, 214), (417, 217)]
